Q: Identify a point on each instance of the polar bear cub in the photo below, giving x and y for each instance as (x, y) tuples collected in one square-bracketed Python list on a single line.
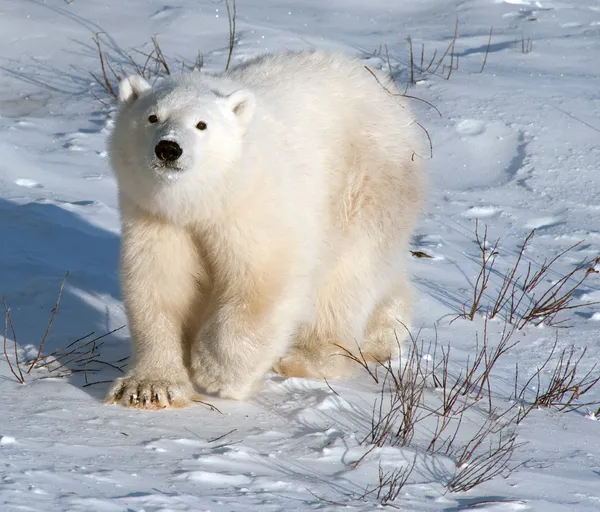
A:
[(266, 213)]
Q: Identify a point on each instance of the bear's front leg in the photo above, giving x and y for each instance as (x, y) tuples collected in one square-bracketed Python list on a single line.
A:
[(251, 327), (160, 275)]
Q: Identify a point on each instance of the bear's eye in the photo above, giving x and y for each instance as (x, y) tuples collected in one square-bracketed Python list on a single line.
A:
[(201, 125), (153, 119)]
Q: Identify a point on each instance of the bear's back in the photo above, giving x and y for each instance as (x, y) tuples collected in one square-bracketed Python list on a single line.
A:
[(285, 67), (325, 92), (309, 74)]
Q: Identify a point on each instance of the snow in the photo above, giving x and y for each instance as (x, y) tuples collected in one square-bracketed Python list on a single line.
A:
[(516, 148)]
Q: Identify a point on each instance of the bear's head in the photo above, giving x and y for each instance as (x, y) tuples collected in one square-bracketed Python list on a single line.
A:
[(180, 141)]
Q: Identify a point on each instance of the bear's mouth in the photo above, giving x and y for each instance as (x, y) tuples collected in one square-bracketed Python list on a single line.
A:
[(167, 168)]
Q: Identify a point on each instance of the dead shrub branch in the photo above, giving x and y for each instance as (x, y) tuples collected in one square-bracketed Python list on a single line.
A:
[(231, 16), (524, 298), (79, 356), (407, 412), (150, 64)]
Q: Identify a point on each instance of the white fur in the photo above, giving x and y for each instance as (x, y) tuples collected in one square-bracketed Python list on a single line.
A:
[(279, 236)]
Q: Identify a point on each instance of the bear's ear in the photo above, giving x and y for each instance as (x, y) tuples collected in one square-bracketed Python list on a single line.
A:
[(131, 88), (241, 103)]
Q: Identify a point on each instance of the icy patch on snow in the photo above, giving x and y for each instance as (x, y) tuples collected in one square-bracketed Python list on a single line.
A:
[(215, 479), (25, 182), (531, 3), (481, 212), (543, 222)]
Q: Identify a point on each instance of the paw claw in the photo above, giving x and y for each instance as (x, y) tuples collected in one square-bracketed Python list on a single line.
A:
[(149, 393)]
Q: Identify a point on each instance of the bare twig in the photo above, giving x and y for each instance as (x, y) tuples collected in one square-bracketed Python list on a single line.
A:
[(160, 58), (452, 56), (450, 47), (430, 62), (7, 320), (518, 298), (481, 282), (54, 311), (566, 386), (390, 484), (360, 359), (106, 82), (487, 51), (206, 404), (215, 439), (412, 60), (231, 16), (526, 46), (473, 470)]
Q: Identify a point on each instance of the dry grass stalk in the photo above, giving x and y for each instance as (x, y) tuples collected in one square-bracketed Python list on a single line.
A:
[(490, 357), (566, 387), (150, 67), (153, 66), (481, 282), (390, 484), (526, 46), (406, 386), (8, 321), (49, 327), (389, 64), (198, 63), (160, 57), (520, 299), (80, 356), (475, 465), (360, 359), (77, 357), (507, 296), (231, 16), (412, 60), (558, 297), (105, 82), (448, 48), (401, 406), (475, 469), (481, 456), (487, 51), (454, 401), (394, 419), (424, 70), (452, 55), (449, 55), (469, 387)]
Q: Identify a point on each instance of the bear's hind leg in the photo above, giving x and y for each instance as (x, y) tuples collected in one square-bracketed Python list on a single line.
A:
[(345, 301), (315, 356), (351, 322), (389, 324)]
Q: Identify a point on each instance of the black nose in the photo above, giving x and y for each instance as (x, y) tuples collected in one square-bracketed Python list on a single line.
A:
[(168, 150)]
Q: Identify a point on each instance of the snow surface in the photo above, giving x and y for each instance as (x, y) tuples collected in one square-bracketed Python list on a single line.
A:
[(517, 147)]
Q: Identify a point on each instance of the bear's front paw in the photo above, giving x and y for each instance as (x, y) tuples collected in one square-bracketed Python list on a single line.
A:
[(145, 393)]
